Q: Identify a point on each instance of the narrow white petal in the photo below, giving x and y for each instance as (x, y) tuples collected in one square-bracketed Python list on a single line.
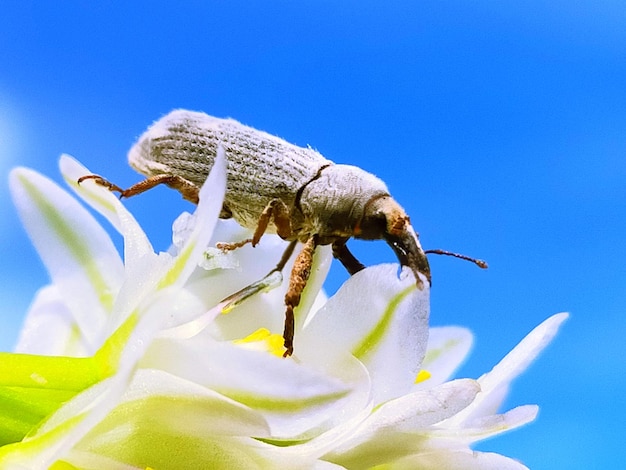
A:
[(158, 272), (518, 360), (99, 198), (208, 210), (496, 424), (495, 383), (136, 243)]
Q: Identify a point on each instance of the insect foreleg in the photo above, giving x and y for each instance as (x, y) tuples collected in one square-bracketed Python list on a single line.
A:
[(297, 282), (188, 190), (341, 252)]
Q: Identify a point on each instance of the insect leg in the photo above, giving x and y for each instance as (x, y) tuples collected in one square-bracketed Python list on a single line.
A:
[(188, 190), (341, 252), (277, 211), (297, 282)]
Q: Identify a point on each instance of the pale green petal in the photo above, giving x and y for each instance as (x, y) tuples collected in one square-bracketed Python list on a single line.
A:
[(292, 398), (68, 425), (78, 253), (158, 449), (63, 430), (34, 386), (80, 460), (374, 324), (447, 349), (156, 399)]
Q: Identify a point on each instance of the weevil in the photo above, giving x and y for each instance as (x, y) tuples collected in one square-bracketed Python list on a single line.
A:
[(273, 186)]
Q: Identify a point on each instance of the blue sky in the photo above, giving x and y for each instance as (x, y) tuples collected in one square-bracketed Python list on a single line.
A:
[(499, 126)]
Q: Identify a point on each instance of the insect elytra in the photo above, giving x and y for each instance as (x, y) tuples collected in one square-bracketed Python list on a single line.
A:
[(273, 186)]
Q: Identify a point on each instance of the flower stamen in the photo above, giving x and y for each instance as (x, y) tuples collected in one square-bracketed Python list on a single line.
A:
[(422, 376), (263, 340)]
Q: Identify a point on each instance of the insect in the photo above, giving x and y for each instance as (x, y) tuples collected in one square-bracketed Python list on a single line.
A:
[(276, 187)]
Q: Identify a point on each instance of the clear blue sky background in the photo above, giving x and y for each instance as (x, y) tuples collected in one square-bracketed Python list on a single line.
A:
[(500, 126)]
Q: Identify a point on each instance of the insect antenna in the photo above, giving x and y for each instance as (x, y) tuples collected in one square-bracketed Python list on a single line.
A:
[(478, 262)]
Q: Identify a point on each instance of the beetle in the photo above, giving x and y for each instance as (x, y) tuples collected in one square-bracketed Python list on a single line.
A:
[(273, 186)]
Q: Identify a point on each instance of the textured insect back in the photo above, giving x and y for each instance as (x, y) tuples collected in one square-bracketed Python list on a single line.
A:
[(176, 144), (261, 167)]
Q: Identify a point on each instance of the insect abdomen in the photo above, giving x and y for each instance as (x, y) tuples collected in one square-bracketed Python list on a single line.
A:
[(260, 167)]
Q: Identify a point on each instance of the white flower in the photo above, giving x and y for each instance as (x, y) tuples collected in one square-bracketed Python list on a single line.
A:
[(132, 364)]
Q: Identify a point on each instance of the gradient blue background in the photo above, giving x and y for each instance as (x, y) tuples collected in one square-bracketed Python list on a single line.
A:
[(500, 126)]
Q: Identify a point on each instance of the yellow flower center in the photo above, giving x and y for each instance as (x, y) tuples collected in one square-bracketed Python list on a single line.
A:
[(263, 340), (422, 376)]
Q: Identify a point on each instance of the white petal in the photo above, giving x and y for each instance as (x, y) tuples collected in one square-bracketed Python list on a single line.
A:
[(485, 426), (158, 399), (49, 328), (326, 442), (70, 423), (155, 273), (206, 214), (267, 309), (136, 244), (518, 360), (457, 460), (156, 448), (374, 316), (424, 408), (78, 253), (293, 398), (399, 427), (447, 349), (496, 424)]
